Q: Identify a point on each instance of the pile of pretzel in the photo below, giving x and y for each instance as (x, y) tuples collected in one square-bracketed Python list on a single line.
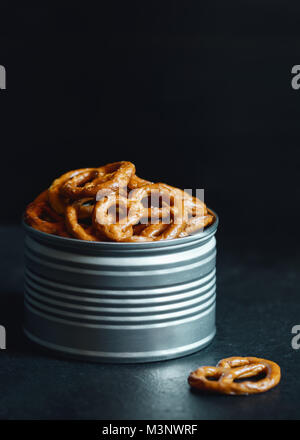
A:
[(111, 203)]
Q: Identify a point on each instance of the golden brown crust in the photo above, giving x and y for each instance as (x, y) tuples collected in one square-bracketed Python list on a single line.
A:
[(79, 203), (41, 216), (136, 182), (109, 208), (75, 228), (87, 183), (228, 370), (57, 200)]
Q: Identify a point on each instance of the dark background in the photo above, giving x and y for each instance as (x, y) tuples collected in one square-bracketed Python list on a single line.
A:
[(197, 94)]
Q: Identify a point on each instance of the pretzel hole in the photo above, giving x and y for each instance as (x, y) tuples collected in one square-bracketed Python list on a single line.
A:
[(111, 168), (85, 221), (82, 183), (88, 203), (84, 180), (212, 378), (255, 378), (104, 177), (46, 216)]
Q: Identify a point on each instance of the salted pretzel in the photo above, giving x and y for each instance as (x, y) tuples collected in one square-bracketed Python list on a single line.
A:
[(77, 230), (57, 200), (222, 378), (161, 194), (114, 216), (109, 177), (41, 216), (80, 202)]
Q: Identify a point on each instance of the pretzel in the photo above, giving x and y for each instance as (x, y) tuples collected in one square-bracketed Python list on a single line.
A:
[(57, 201), (228, 370), (118, 225), (158, 191), (80, 203), (109, 177), (41, 216), (76, 229)]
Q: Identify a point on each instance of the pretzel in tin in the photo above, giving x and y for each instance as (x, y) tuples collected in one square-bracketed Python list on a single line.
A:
[(222, 378), (157, 193), (77, 229), (115, 215), (80, 200), (57, 200), (89, 182), (41, 216)]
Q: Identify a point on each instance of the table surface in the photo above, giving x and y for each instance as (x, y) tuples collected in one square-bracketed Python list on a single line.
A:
[(257, 306)]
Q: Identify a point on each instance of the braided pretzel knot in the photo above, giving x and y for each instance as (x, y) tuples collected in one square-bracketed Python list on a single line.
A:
[(90, 181), (115, 215), (232, 368), (41, 216)]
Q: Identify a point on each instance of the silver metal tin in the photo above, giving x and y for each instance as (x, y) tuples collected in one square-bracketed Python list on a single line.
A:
[(120, 302)]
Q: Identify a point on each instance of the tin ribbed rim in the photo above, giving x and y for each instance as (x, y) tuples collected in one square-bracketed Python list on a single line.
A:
[(65, 241)]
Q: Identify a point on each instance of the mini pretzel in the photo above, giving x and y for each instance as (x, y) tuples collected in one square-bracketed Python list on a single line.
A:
[(118, 229), (89, 182), (153, 190), (230, 369), (41, 216), (57, 201), (75, 228), (79, 203)]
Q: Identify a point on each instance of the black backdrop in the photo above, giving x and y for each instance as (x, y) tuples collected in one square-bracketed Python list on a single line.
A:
[(197, 94)]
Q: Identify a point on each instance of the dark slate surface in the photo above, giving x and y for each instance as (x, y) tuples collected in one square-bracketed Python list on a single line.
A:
[(258, 304)]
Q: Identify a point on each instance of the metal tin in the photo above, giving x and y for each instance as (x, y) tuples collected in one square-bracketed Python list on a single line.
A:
[(120, 302)]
